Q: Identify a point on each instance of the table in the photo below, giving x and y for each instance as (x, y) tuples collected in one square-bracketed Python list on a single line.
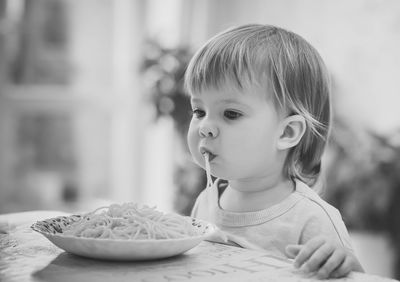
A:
[(28, 256)]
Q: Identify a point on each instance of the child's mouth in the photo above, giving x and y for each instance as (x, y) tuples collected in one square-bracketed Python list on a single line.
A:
[(211, 156)]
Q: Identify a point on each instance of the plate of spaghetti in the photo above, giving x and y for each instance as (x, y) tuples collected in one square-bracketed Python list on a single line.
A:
[(125, 232)]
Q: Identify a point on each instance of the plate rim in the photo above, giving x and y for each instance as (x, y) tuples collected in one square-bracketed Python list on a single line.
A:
[(211, 229)]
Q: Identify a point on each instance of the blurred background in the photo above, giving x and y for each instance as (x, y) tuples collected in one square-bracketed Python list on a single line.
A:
[(92, 109)]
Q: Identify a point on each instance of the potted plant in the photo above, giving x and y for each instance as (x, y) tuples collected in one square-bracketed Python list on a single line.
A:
[(163, 70)]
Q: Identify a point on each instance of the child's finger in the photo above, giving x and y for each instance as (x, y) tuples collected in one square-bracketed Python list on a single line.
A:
[(343, 270), (307, 250), (293, 250), (333, 262), (318, 258)]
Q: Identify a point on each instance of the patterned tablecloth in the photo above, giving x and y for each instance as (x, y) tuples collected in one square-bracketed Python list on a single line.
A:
[(28, 256)]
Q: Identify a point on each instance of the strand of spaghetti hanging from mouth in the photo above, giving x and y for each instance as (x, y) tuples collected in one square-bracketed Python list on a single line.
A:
[(208, 170)]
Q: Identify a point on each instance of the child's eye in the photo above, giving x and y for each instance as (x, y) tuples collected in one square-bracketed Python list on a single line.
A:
[(198, 113), (230, 114)]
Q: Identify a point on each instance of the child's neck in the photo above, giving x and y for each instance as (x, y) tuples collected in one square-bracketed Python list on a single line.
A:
[(254, 195)]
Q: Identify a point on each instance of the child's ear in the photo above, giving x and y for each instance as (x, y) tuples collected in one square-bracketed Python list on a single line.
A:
[(292, 130)]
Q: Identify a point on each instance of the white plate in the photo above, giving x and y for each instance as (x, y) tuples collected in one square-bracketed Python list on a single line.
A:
[(111, 249)]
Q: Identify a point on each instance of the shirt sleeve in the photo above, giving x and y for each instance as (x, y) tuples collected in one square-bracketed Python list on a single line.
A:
[(321, 218), (205, 202), (327, 223), (195, 208)]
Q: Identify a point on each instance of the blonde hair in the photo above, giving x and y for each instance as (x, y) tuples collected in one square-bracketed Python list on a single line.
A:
[(289, 66)]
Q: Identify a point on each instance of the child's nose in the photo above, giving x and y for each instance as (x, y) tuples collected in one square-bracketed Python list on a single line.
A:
[(208, 129)]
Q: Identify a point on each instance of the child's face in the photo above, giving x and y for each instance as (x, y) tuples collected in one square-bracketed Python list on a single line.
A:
[(239, 129)]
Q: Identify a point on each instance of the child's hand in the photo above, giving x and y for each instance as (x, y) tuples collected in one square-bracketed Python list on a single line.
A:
[(321, 256)]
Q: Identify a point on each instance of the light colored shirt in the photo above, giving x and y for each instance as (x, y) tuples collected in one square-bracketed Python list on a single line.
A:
[(295, 220)]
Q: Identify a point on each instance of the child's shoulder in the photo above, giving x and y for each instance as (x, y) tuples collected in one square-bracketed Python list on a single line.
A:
[(305, 191), (320, 217), (313, 202)]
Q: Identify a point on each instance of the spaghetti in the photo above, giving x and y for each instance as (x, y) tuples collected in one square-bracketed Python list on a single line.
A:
[(130, 221), (208, 169)]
